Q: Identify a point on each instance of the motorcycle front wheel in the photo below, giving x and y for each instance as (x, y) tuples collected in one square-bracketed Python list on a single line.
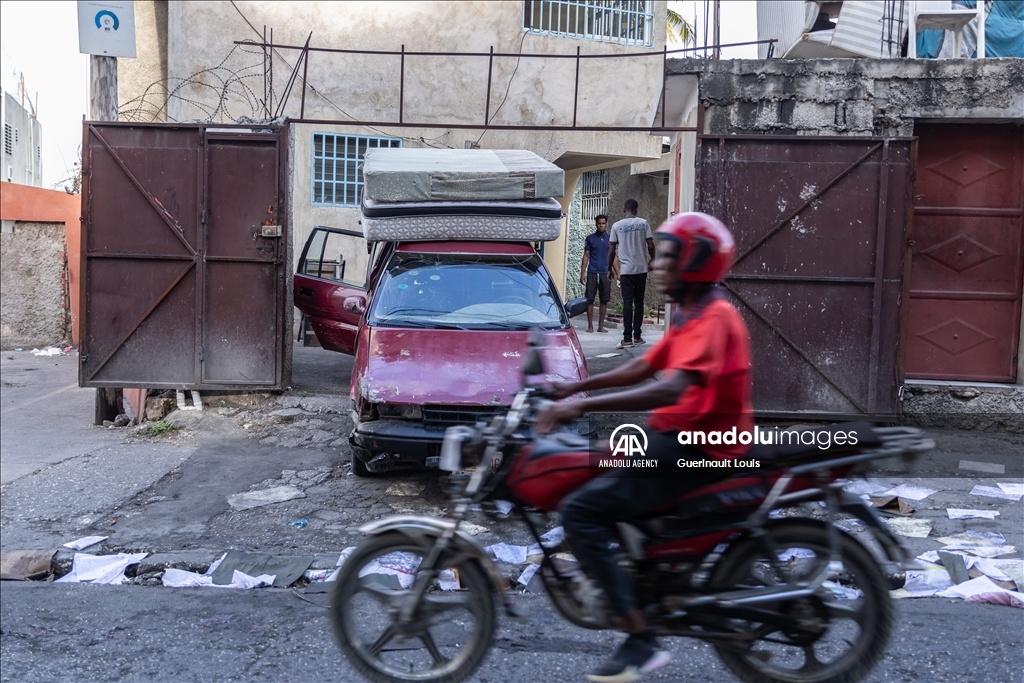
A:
[(453, 625), (836, 636)]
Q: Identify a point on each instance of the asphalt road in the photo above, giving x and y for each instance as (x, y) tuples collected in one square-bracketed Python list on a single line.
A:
[(129, 633)]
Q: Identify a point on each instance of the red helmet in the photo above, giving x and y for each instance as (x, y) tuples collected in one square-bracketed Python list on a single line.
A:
[(706, 246)]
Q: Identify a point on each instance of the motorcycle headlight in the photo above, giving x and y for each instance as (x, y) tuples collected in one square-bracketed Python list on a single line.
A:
[(462, 446)]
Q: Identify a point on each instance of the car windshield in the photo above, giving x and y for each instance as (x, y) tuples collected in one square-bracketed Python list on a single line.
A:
[(468, 291)]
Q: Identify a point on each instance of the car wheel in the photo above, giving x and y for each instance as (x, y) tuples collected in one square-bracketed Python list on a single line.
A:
[(359, 467)]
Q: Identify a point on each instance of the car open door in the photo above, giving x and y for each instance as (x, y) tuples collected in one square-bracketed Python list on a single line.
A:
[(333, 269)]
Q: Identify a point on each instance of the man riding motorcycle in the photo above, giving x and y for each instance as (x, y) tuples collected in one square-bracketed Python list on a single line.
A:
[(705, 384)]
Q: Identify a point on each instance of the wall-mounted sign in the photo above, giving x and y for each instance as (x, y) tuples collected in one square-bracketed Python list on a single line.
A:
[(106, 28)]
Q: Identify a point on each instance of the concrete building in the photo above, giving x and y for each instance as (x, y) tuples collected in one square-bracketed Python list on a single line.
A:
[(189, 67), (23, 144)]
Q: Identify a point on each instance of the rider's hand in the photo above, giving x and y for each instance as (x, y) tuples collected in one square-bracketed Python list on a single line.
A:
[(557, 414), (583, 280), (560, 390)]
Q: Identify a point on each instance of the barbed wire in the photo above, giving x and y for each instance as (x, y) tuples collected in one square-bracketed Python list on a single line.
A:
[(229, 85)]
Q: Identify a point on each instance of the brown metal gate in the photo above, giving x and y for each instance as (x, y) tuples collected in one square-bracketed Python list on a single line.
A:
[(184, 257), (820, 229), (965, 281)]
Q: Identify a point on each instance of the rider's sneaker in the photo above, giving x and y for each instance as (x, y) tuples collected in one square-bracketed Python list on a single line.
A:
[(640, 654)]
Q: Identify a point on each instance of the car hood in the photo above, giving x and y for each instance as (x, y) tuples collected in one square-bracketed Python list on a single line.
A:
[(478, 367)]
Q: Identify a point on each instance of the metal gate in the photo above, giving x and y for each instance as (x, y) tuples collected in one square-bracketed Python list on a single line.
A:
[(184, 257), (820, 228)]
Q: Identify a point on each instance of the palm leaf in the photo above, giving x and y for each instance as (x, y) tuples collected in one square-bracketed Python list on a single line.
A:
[(678, 28)]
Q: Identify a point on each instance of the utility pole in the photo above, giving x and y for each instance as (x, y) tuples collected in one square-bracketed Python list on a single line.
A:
[(717, 26), (103, 107)]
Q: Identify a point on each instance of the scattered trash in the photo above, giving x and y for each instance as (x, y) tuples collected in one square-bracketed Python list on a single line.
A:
[(83, 543), (554, 537), (255, 499), (608, 355), (345, 554), (317, 575), (524, 578), (995, 492), (19, 349), (100, 569), (405, 488), (448, 580), (982, 589), (926, 583), (892, 504), (24, 565), (513, 554), (843, 592), (179, 578), (912, 528), (990, 467), (472, 529), (504, 507), (860, 487), (285, 570), (796, 553), (960, 513), (1013, 489), (910, 492), (955, 565), (49, 351), (299, 524), (399, 564)]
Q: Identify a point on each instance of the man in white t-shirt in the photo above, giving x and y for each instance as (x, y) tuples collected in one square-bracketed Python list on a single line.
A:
[(631, 240)]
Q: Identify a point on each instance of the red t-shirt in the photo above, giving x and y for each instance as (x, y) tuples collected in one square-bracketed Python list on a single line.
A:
[(716, 346)]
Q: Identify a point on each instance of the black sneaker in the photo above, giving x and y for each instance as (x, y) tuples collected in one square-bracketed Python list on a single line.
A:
[(637, 656)]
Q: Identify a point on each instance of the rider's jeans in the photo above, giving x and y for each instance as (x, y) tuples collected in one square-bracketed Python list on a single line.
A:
[(590, 513)]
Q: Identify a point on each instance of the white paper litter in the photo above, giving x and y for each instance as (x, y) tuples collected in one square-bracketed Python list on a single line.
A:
[(843, 592), (513, 554), (912, 528), (860, 487), (253, 499), (345, 554), (399, 563), (972, 538), (796, 553), (447, 580), (910, 492), (1013, 489), (504, 507), (993, 537), (179, 578), (214, 565), (51, 351), (100, 569), (961, 513), (472, 529), (989, 567), (982, 550), (524, 578), (85, 542), (994, 492), (982, 589), (930, 556), (926, 583), (608, 355), (553, 537)]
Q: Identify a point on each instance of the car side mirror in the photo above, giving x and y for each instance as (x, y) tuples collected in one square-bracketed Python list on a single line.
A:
[(354, 304), (574, 307)]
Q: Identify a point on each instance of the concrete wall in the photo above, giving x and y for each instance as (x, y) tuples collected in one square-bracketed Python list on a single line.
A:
[(142, 82), (880, 97), (33, 286), (25, 163)]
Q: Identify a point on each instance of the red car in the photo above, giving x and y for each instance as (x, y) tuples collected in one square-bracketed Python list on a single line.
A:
[(437, 329)]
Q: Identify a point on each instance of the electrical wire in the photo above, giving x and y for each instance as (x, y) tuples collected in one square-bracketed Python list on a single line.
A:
[(508, 88)]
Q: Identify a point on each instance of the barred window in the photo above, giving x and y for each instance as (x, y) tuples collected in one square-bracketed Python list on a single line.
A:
[(8, 139), (337, 176), (629, 22), (593, 194)]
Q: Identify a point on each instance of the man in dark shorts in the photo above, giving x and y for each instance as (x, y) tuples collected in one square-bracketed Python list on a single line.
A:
[(704, 385), (594, 272)]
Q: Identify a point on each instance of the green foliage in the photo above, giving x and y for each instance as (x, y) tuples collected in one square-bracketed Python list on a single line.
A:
[(678, 29), (160, 428)]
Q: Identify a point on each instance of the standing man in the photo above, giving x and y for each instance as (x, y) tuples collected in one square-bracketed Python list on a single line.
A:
[(595, 272), (631, 240)]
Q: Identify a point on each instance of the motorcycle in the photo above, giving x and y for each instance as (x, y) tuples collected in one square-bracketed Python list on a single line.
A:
[(781, 599)]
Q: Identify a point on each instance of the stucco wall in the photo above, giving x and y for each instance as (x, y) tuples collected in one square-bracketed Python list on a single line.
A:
[(852, 96), (33, 297), (142, 82)]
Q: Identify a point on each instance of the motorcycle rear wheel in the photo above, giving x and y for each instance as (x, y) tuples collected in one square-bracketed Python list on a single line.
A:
[(446, 642), (833, 617)]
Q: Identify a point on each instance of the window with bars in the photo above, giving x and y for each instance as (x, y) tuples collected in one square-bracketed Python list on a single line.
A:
[(337, 177), (593, 194), (629, 22), (8, 139)]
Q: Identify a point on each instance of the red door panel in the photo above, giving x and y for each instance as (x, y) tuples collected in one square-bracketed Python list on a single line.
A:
[(332, 269), (968, 253)]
